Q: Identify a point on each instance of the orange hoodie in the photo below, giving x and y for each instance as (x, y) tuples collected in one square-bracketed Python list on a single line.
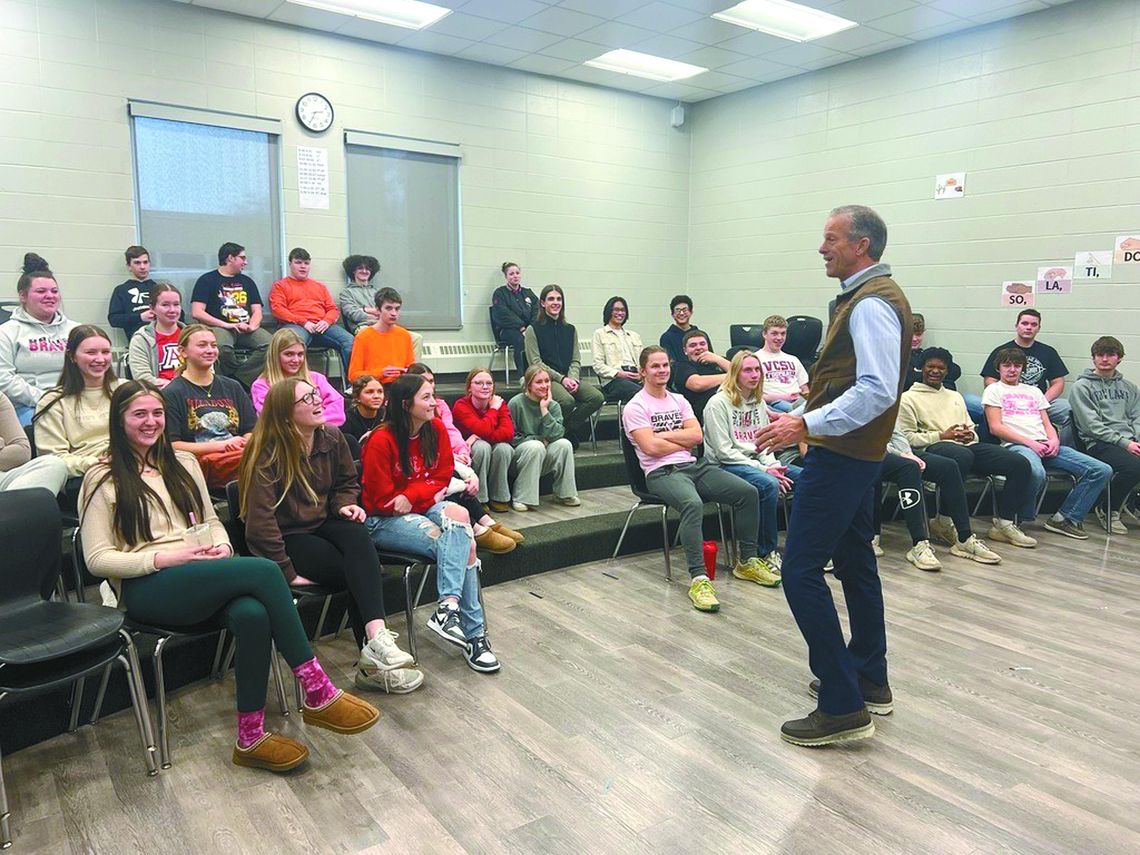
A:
[(298, 302)]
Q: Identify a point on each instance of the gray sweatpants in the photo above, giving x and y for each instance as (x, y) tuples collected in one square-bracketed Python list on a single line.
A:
[(686, 487), (532, 460), (48, 472), (492, 463)]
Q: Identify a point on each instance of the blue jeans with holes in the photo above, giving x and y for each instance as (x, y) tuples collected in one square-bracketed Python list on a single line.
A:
[(336, 337), (448, 543), (768, 490), (1092, 475)]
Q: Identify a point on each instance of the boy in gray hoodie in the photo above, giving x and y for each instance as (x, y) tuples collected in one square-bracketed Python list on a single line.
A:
[(1106, 411)]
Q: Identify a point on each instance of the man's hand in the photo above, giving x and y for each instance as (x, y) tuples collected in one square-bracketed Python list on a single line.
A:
[(570, 384), (780, 473), (322, 325), (958, 433), (784, 430), (628, 375), (391, 372), (1041, 449), (918, 460), (234, 443), (472, 485), (310, 326), (372, 311), (1133, 448), (1052, 447)]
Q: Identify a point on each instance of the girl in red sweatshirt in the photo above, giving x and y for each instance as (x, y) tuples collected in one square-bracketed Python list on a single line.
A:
[(484, 418)]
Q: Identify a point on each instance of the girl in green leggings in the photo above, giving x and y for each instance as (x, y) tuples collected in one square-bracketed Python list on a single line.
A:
[(150, 528)]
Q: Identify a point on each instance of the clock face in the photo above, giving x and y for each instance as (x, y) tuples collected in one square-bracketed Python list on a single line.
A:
[(315, 112)]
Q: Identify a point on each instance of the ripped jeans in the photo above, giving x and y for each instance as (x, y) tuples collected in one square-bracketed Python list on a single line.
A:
[(448, 543)]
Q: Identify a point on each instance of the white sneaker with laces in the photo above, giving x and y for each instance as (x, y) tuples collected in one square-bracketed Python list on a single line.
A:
[(775, 561), (975, 550), (921, 555), (520, 507), (382, 654), (943, 531), (398, 682), (1009, 533), (1113, 524)]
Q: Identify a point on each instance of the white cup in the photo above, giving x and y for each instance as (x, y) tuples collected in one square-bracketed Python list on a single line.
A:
[(198, 535)]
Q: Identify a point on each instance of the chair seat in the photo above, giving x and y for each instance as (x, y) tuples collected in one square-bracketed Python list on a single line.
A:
[(321, 591), (206, 627), (42, 631), (403, 559)]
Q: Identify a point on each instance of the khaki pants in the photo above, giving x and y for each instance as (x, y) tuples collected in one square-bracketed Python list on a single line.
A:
[(533, 459)]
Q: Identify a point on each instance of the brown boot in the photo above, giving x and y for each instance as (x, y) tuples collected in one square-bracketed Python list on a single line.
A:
[(274, 752), (343, 714), (509, 532), (494, 507), (494, 542)]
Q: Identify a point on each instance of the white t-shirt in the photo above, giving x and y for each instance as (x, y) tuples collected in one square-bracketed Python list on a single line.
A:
[(661, 414), (1021, 407), (783, 372)]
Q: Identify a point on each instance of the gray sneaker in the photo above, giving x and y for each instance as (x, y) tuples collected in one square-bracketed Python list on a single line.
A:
[(1010, 533), (976, 550), (922, 556), (398, 682), (943, 531), (1113, 524), (1075, 530)]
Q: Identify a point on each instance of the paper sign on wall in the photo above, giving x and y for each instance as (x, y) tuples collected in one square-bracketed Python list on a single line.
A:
[(313, 177), (1054, 280), (1094, 264), (1127, 250), (950, 186), (1017, 294)]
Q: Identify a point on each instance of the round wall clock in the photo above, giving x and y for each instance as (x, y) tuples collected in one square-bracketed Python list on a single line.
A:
[(315, 112)]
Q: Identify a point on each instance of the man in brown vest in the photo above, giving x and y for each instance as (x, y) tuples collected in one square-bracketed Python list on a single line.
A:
[(846, 421)]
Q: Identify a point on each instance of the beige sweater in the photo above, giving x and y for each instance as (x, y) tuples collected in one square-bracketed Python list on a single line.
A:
[(109, 557), (925, 412), (76, 429)]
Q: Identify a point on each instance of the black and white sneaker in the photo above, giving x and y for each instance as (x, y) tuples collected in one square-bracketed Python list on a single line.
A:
[(479, 655), (444, 622)]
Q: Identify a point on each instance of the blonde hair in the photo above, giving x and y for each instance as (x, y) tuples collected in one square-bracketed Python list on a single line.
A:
[(276, 452), (731, 384), (282, 340), (188, 332)]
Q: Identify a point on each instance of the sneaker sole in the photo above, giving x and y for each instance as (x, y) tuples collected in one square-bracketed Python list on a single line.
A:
[(709, 609), (253, 763), (761, 582), (371, 664), (483, 669), (449, 639), (924, 569), (972, 557), (1075, 536), (872, 708), (852, 735), (313, 721), (994, 534), (364, 683)]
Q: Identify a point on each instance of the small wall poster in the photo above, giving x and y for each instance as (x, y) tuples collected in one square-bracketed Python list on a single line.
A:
[(1093, 264), (313, 177), (1054, 280), (1127, 250), (950, 186), (1017, 294)]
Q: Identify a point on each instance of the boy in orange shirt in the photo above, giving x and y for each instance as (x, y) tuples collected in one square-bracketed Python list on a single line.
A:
[(306, 306), (384, 349)]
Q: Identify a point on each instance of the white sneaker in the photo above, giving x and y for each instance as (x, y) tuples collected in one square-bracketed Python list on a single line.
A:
[(975, 550), (943, 531), (878, 550), (382, 654), (1113, 525), (775, 561), (398, 682), (922, 557), (520, 507), (1010, 533), (829, 567), (569, 501)]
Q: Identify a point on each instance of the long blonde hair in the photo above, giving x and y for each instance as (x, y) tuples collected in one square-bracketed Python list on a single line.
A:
[(731, 384), (282, 339), (276, 452)]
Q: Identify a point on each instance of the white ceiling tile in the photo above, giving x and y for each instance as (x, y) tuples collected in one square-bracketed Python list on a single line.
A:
[(561, 22), (716, 80), (734, 84), (509, 11), (493, 54), (801, 54), (862, 11), (306, 16), (466, 26), (705, 7), (913, 20), (712, 57), (666, 46), (615, 35), (1010, 11), (253, 8), (969, 8), (435, 42), (660, 17), (889, 44), (708, 31), (753, 43), (856, 37), (759, 69), (574, 50), (523, 39), (602, 8), (372, 30), (680, 91), (542, 64)]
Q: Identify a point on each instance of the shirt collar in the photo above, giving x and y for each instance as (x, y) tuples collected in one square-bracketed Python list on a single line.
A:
[(877, 269)]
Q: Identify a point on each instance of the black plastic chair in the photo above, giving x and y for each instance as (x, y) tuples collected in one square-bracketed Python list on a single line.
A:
[(804, 335), (746, 335), (500, 347), (353, 446), (47, 645)]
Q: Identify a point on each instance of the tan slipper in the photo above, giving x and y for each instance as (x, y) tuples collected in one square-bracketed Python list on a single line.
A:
[(274, 752), (508, 532), (343, 714)]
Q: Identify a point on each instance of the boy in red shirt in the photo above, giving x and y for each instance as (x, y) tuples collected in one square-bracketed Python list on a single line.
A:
[(307, 306)]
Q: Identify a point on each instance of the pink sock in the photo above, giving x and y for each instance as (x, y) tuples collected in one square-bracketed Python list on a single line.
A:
[(319, 689), (251, 727)]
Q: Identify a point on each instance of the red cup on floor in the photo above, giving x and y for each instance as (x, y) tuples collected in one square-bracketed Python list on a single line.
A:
[(709, 549)]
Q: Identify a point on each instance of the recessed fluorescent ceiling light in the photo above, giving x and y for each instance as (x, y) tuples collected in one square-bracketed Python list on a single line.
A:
[(784, 19), (411, 14), (645, 65)]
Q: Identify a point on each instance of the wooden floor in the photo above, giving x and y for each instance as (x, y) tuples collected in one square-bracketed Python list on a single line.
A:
[(624, 721)]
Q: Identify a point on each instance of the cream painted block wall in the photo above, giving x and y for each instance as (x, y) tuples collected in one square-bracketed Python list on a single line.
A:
[(582, 186), (1042, 112)]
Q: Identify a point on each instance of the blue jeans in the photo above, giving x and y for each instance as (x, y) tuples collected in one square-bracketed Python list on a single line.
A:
[(768, 490), (336, 337), (1092, 475), (24, 413), (448, 543), (781, 406)]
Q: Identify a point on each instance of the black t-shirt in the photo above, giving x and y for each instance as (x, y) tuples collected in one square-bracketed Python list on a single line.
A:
[(227, 298), (222, 410), (1042, 364), (356, 425), (685, 368)]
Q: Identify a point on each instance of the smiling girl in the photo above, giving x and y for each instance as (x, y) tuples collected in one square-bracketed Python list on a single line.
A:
[(285, 359), (153, 352)]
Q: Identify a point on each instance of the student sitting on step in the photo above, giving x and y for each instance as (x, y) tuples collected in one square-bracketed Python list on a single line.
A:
[(485, 419), (540, 444)]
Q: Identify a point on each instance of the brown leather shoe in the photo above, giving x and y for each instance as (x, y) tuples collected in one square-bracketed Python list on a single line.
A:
[(343, 714), (274, 752), (494, 542), (498, 507), (509, 532)]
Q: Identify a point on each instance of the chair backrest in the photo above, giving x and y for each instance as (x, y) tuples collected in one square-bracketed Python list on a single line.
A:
[(633, 468), (746, 335), (233, 499), (353, 447), (804, 334), (31, 530), (235, 528)]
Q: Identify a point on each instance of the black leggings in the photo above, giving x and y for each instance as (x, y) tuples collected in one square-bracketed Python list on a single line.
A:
[(984, 459), (905, 475), (470, 504), (1126, 469), (340, 554)]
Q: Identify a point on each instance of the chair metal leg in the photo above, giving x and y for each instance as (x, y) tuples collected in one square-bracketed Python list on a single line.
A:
[(138, 701), (160, 693), (507, 359), (665, 543), (76, 702), (5, 817), (100, 695), (728, 557), (215, 669), (409, 622), (299, 694), (625, 528), (343, 624), (229, 659), (593, 432), (321, 619), (278, 682), (985, 488)]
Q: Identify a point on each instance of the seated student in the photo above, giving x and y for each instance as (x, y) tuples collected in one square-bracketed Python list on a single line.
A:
[(71, 418), (485, 419), (227, 301), (615, 352), (149, 526), (207, 414), (699, 373), (299, 499), (18, 469), (489, 534), (357, 299), (934, 420), (513, 308), (153, 351), (287, 358), (681, 308), (785, 378), (663, 430), (407, 467), (906, 470), (914, 372), (384, 349), (366, 411), (33, 340), (1017, 414), (1106, 411), (305, 306), (552, 342), (131, 308), (733, 418), (540, 444)]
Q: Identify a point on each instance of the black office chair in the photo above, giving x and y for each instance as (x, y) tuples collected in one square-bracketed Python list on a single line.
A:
[(746, 335), (499, 347), (804, 335), (46, 645)]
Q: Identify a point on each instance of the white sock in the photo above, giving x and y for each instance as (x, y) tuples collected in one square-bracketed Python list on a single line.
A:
[(1057, 517), (1002, 523), (700, 578)]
